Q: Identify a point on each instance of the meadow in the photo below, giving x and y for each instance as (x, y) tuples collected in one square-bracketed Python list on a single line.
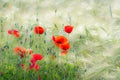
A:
[(35, 45)]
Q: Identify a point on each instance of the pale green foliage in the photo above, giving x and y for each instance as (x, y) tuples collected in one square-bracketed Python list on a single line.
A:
[(95, 40)]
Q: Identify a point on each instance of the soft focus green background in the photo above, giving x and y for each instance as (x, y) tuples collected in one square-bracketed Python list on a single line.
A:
[(95, 40)]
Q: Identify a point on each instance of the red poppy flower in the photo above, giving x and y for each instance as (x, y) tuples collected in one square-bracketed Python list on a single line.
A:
[(10, 31), (53, 38), (16, 35), (33, 61), (37, 56), (68, 28), (32, 66), (14, 32), (35, 66), (65, 46), (58, 40), (38, 30), (17, 49), (20, 51)]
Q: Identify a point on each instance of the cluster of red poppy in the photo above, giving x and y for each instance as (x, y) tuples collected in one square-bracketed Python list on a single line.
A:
[(35, 57), (60, 41), (39, 30), (14, 32)]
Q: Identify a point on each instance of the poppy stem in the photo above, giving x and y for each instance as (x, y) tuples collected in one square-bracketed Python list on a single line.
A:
[(69, 20), (69, 37)]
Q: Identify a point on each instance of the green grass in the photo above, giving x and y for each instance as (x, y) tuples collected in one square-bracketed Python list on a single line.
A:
[(95, 40)]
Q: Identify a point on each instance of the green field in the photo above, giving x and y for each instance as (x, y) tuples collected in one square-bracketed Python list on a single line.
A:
[(95, 40)]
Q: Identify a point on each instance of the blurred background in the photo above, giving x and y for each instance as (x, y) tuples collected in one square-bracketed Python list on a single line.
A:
[(95, 39), (81, 13)]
